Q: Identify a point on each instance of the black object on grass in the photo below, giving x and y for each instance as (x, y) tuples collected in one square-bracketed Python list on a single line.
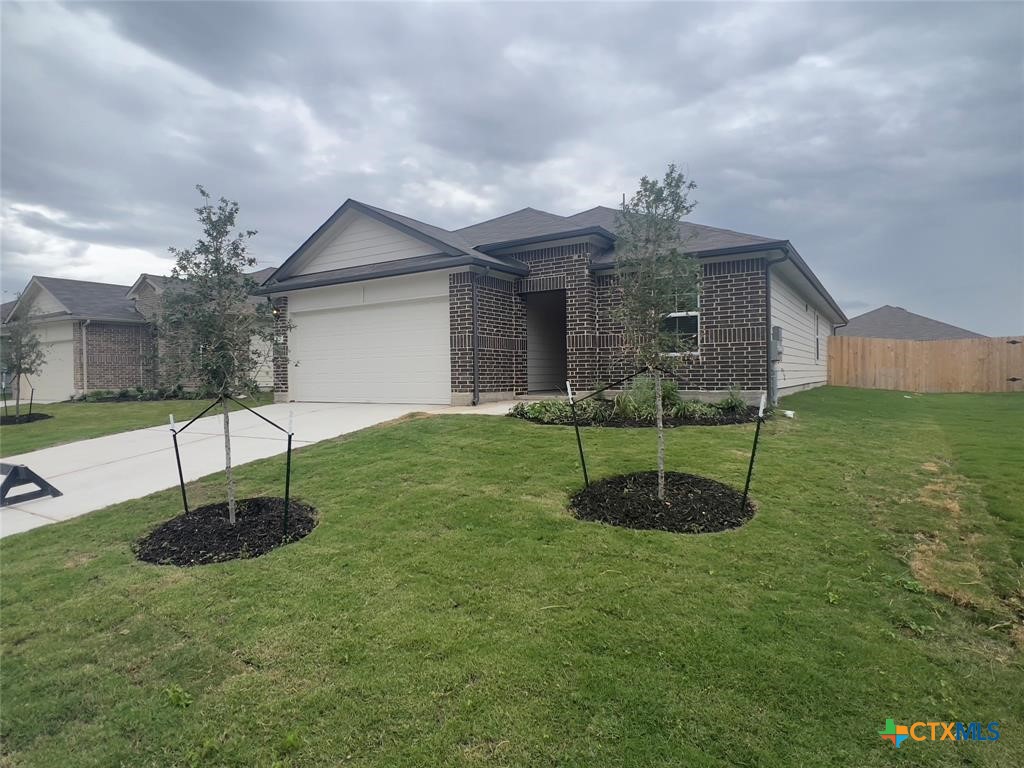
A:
[(692, 504), (753, 451), (16, 475), (204, 534)]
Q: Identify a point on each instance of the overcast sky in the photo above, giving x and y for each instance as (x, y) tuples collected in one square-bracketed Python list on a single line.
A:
[(886, 141)]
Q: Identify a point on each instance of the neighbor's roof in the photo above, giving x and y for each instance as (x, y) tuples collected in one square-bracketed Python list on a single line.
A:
[(5, 309), (85, 299), (888, 322)]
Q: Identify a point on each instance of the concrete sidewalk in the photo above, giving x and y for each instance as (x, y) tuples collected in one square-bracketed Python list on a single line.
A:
[(93, 474)]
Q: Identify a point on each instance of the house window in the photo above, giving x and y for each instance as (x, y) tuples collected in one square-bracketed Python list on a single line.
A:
[(682, 333)]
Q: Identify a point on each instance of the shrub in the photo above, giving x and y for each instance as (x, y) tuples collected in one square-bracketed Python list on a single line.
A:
[(638, 402), (592, 411), (696, 410), (733, 403), (595, 410)]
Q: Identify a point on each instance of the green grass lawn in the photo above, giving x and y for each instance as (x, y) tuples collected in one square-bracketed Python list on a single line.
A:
[(448, 611), (81, 421)]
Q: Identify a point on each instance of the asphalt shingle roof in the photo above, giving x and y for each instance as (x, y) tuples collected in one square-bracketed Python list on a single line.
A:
[(528, 222), (87, 299), (889, 322), (697, 237)]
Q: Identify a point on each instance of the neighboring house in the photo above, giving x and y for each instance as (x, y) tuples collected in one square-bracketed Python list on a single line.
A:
[(97, 335), (92, 335), (890, 322), (384, 308)]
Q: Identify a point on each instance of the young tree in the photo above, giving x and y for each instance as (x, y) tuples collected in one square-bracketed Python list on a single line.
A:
[(656, 278), (213, 334), (22, 355)]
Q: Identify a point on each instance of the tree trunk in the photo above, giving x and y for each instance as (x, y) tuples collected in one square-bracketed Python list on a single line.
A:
[(659, 411), (227, 463)]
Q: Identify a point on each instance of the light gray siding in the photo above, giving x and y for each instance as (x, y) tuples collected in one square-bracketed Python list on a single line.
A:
[(362, 240), (805, 335)]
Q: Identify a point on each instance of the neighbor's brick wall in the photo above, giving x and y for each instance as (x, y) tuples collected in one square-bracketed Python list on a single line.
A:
[(119, 355), (148, 302), (281, 348), (733, 307), (501, 333)]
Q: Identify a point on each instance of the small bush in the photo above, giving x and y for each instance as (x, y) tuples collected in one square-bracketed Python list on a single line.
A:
[(733, 403), (638, 402), (592, 411), (696, 410)]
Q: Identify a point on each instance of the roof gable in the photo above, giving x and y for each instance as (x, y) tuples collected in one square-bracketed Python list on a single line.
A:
[(367, 245)]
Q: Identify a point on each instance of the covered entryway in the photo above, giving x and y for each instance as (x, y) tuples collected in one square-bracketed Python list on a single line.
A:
[(545, 341), (383, 341)]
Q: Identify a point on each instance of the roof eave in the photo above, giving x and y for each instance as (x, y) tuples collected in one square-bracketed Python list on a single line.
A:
[(794, 256), (466, 260), (563, 235)]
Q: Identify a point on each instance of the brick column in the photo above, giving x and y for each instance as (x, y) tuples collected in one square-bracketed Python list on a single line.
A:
[(280, 349)]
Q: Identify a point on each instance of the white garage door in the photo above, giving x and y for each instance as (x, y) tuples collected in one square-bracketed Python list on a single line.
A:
[(393, 352), (57, 379)]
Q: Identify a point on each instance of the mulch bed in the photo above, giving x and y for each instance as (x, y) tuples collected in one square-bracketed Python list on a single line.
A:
[(25, 418), (204, 535), (693, 504)]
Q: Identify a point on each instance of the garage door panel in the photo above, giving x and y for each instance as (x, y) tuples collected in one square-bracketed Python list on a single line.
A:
[(395, 352)]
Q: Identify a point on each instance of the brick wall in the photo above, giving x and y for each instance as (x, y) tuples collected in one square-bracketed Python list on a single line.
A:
[(568, 267), (733, 307), (280, 354), (501, 334), (118, 355)]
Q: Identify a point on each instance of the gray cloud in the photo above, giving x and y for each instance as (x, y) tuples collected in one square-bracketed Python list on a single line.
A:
[(885, 140)]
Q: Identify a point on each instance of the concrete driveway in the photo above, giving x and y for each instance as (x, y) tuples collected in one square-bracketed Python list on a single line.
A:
[(93, 474)]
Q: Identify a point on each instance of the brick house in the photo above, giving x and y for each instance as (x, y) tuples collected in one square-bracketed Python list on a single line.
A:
[(95, 335), (377, 307)]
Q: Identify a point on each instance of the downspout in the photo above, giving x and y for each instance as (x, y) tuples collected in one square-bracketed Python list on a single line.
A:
[(85, 357), (476, 344), (768, 372)]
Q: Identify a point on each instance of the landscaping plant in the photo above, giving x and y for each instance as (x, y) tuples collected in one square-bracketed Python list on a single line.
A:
[(211, 330), (656, 277), (21, 354)]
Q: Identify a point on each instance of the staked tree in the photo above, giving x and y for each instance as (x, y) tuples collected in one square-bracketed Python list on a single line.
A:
[(21, 354), (658, 282), (213, 335)]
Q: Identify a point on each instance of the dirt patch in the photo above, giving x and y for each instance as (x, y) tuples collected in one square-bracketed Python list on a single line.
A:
[(25, 418), (692, 504), (204, 535), (930, 466), (77, 561)]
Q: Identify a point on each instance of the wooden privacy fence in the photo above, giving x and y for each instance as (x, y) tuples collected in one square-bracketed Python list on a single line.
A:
[(958, 365)]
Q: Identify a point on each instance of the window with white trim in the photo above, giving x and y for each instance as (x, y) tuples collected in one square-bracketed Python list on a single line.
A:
[(681, 328)]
